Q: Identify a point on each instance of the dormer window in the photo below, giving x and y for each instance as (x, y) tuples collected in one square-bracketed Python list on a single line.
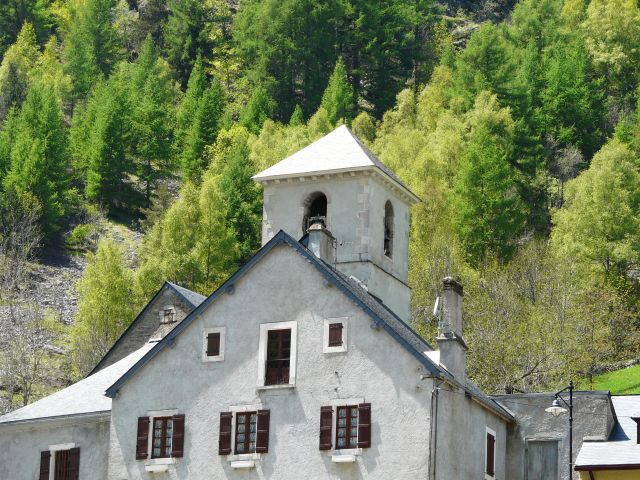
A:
[(315, 210), (388, 229)]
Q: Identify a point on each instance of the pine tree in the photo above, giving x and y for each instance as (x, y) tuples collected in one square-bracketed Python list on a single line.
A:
[(297, 117), (203, 131), (337, 99), (260, 107), (38, 155), (189, 106), (15, 14)]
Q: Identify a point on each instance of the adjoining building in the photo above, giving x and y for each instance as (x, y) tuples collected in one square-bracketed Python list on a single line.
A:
[(302, 365)]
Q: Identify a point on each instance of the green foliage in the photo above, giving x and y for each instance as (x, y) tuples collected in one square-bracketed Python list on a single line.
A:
[(259, 109), (620, 382), (38, 153), (106, 306), (337, 99), (15, 14), (297, 117)]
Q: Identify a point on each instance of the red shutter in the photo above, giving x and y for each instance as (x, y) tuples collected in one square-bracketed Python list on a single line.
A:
[(73, 464), (45, 461), (213, 344), (335, 334), (491, 441), (326, 420), (143, 438), (262, 440), (364, 425), (177, 438), (224, 441)]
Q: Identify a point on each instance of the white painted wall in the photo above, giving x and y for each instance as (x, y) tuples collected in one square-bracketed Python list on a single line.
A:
[(20, 447), (282, 287)]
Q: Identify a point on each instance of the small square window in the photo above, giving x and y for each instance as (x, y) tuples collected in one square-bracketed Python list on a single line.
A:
[(213, 344), (334, 338), (168, 315)]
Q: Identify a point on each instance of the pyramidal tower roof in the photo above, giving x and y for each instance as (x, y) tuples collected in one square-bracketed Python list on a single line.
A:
[(337, 152)]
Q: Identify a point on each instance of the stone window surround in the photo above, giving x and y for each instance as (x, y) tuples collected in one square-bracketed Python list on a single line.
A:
[(262, 353), (495, 438), (164, 309), (217, 358), (158, 464), (52, 460), (242, 460), (325, 335)]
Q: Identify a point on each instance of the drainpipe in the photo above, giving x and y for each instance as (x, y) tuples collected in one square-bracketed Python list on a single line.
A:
[(433, 434)]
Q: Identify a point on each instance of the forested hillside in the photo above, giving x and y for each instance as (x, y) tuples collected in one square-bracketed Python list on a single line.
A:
[(130, 130)]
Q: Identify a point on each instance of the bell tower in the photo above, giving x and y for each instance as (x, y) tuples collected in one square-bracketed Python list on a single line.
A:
[(338, 183)]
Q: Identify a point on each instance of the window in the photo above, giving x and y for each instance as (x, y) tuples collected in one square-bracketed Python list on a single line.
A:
[(388, 229), (166, 438), (168, 315), (351, 426), (490, 451), (60, 462), (277, 355), (315, 210), (335, 335), (247, 430), (213, 344)]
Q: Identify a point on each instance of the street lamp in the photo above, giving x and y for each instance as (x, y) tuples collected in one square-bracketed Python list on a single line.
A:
[(556, 409)]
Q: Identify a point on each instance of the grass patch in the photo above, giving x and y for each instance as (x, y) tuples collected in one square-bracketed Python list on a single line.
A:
[(619, 382)]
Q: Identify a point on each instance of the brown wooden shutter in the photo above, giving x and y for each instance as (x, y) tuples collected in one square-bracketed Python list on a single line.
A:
[(364, 425), (213, 344), (224, 441), (326, 420), (143, 438), (73, 464), (177, 438), (262, 440), (45, 461), (335, 334), (491, 441)]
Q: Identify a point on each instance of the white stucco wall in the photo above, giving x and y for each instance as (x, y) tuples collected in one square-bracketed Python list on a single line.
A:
[(20, 447), (282, 287)]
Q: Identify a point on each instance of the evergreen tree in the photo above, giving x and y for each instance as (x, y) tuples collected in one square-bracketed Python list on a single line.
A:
[(14, 14), (203, 131), (190, 103), (488, 210), (260, 108), (90, 46), (337, 99), (38, 155), (106, 306), (297, 117), (7, 139)]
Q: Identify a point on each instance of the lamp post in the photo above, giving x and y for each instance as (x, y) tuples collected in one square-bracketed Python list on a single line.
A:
[(556, 409)]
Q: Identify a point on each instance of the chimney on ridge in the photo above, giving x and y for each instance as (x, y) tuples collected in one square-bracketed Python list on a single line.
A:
[(453, 349)]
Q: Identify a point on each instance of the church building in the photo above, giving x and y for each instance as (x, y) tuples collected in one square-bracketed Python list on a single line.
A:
[(301, 365)]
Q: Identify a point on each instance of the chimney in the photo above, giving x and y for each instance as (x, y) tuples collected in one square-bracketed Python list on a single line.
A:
[(321, 243), (453, 350)]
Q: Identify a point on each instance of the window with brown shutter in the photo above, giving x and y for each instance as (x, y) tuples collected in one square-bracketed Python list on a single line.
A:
[(278, 357), (326, 421), (246, 432), (60, 465), (347, 427), (177, 440), (73, 464), (45, 461), (224, 440), (335, 334), (490, 461), (262, 441), (364, 425), (213, 344), (162, 437), (143, 438)]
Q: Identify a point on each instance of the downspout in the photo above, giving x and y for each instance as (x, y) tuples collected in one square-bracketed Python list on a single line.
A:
[(433, 433)]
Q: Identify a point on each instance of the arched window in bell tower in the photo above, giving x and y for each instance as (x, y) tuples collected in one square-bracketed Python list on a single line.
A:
[(315, 210), (388, 229)]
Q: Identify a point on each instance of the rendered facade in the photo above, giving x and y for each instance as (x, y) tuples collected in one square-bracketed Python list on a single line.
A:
[(300, 366)]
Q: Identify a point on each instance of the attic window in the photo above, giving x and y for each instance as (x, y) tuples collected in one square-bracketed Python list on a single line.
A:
[(315, 210), (168, 315), (334, 338), (213, 339), (388, 229)]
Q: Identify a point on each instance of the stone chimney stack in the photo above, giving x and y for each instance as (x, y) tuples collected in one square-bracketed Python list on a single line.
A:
[(453, 350), (321, 243)]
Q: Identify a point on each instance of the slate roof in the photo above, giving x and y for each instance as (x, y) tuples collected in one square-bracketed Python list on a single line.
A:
[(338, 151), (82, 398), (192, 298), (381, 315), (622, 448)]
